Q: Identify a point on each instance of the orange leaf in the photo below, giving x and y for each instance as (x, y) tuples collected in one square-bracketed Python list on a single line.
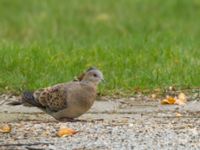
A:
[(63, 132), (168, 100), (5, 129)]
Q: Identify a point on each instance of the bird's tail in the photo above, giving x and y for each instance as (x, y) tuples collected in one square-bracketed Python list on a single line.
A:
[(26, 98)]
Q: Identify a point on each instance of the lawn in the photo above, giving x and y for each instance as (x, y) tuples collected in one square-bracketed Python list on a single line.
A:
[(136, 43)]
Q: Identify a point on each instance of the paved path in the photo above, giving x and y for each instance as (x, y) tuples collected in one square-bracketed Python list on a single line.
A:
[(131, 123)]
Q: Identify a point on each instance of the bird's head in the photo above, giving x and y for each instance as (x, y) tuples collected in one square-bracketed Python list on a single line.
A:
[(93, 75)]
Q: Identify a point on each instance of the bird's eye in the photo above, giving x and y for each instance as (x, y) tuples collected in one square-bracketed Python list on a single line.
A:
[(95, 75)]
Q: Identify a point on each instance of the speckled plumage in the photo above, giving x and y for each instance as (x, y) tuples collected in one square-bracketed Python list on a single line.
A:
[(67, 100)]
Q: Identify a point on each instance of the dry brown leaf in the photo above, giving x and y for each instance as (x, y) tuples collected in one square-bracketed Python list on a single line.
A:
[(181, 99), (169, 100), (153, 96), (63, 132), (178, 115), (179, 102), (5, 129)]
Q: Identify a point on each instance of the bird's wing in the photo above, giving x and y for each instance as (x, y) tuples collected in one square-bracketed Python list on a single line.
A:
[(53, 98), (74, 96)]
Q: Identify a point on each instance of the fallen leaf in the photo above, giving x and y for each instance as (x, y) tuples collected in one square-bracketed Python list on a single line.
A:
[(63, 132), (169, 100), (182, 97), (181, 100), (5, 129), (178, 115), (153, 96)]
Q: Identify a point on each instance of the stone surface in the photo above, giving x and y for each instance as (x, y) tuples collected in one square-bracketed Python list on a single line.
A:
[(130, 123)]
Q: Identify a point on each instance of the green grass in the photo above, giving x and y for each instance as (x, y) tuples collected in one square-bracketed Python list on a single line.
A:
[(136, 43)]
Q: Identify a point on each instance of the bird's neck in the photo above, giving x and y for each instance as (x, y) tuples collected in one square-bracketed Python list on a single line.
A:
[(89, 83)]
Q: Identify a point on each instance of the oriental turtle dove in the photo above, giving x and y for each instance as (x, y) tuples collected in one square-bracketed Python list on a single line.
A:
[(66, 100)]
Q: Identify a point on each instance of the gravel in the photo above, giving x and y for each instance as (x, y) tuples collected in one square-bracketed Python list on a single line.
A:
[(123, 128), (146, 133)]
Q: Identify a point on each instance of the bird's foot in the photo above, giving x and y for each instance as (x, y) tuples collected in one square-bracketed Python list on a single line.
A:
[(66, 120), (70, 120)]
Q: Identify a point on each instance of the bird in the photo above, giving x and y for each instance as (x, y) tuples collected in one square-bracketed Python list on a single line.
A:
[(66, 101)]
